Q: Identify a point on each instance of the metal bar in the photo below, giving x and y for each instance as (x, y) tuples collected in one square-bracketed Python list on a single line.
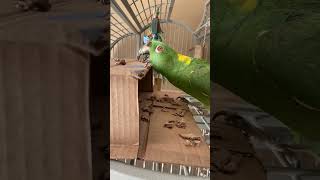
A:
[(120, 25), (165, 14), (116, 41), (205, 122), (117, 8), (173, 22), (160, 9), (134, 3), (127, 6), (117, 28), (138, 43), (116, 33), (150, 14), (170, 9), (149, 8), (144, 10), (185, 171), (205, 25)]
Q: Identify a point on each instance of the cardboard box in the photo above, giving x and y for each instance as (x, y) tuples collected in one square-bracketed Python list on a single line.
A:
[(131, 136), (124, 107), (198, 51)]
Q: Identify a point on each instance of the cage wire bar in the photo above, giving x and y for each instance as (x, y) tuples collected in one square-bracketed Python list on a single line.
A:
[(126, 19), (202, 33)]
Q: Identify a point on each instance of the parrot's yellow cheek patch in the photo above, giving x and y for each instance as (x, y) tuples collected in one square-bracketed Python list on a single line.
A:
[(184, 59), (249, 5)]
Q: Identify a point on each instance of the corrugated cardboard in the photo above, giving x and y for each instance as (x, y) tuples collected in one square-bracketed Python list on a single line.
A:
[(198, 51), (124, 110), (144, 125)]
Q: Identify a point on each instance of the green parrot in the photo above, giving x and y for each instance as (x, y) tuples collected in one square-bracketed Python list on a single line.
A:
[(267, 52), (191, 75)]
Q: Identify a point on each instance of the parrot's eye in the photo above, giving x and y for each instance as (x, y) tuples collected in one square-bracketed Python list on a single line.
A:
[(159, 49)]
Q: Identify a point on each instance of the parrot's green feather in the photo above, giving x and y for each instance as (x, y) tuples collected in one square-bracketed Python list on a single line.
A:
[(186, 73)]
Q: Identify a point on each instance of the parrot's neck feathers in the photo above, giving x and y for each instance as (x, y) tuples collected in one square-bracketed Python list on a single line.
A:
[(184, 59)]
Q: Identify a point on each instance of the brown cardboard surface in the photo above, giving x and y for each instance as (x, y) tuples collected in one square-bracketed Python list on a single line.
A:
[(124, 110), (165, 145), (146, 84), (144, 125), (132, 66)]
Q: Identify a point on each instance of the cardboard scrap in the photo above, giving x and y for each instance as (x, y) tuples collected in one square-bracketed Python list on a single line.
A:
[(179, 113), (147, 109), (145, 116), (169, 125), (192, 143), (179, 124), (191, 139), (164, 109), (152, 98), (120, 61), (190, 136), (164, 105)]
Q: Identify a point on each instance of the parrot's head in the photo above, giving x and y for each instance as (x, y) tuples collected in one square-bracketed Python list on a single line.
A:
[(162, 56)]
